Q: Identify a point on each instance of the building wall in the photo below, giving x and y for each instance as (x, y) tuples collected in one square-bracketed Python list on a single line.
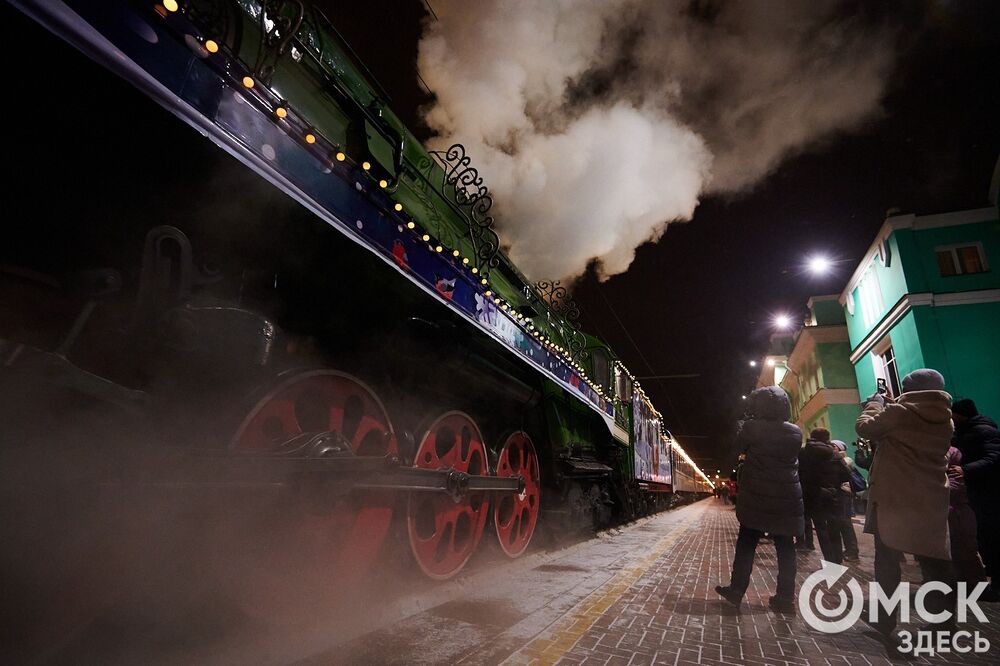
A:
[(962, 342), (920, 260)]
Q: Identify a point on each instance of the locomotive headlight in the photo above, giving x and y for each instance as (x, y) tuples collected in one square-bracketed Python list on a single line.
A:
[(170, 5), (247, 80), (211, 46)]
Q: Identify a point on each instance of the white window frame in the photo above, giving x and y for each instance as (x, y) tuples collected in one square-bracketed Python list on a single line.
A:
[(880, 368), (870, 295), (953, 250)]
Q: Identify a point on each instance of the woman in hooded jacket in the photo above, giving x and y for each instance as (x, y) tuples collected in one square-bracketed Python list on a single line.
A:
[(770, 495), (908, 485)]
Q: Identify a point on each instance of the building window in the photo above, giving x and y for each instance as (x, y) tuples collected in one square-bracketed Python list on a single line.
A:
[(870, 296), (961, 259), (884, 363)]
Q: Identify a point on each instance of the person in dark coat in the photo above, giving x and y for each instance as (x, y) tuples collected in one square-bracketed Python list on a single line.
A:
[(977, 438), (822, 471), (846, 499), (770, 495)]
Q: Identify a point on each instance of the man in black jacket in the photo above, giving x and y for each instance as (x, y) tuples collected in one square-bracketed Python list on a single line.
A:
[(977, 438), (822, 472)]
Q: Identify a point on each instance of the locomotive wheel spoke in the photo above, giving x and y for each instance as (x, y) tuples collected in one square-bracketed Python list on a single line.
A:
[(516, 516), (344, 532), (444, 533)]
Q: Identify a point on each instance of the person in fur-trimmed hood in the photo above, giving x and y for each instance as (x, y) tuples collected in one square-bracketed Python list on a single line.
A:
[(908, 483)]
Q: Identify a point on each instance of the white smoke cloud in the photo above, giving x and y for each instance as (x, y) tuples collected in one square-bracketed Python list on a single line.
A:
[(596, 123)]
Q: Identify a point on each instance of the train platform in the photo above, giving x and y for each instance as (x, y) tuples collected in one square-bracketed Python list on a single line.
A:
[(641, 594)]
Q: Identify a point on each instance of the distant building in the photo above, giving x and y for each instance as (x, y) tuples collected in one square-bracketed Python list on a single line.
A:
[(927, 294), (813, 367)]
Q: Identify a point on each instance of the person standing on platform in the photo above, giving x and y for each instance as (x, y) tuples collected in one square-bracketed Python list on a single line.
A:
[(846, 499), (822, 471), (962, 526), (770, 495), (909, 497), (977, 438)]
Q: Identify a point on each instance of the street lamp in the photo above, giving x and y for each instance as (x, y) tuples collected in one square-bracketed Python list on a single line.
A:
[(753, 364), (782, 321), (743, 397), (819, 265)]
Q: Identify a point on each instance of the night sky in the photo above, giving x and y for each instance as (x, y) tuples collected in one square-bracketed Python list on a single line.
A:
[(700, 301)]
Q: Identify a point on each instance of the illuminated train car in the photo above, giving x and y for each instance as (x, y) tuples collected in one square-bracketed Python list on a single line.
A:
[(385, 354)]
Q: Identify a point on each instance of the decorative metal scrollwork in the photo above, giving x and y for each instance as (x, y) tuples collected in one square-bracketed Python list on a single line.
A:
[(558, 299), (465, 186), (560, 303), (280, 20)]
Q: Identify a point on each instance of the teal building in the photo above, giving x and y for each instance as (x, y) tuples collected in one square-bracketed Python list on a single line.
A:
[(816, 371), (927, 294)]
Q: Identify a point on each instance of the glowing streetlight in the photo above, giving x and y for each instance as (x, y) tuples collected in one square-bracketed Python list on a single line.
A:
[(743, 397), (819, 265), (753, 364), (782, 321), (770, 362)]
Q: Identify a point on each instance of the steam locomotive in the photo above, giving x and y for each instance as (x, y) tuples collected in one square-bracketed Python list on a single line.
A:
[(379, 358)]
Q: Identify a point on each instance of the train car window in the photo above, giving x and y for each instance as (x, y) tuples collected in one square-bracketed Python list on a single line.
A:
[(623, 386), (600, 366)]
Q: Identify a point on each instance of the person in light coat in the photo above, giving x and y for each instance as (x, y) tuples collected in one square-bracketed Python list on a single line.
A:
[(909, 497)]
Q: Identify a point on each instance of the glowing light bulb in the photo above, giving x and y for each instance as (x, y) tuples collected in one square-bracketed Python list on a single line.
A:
[(383, 183), (341, 157), (366, 165), (455, 253), (488, 293), (398, 207), (438, 248), (465, 260), (280, 112), (483, 280), (170, 5), (310, 138), (425, 238), (211, 46), (410, 224), (474, 270), (248, 81)]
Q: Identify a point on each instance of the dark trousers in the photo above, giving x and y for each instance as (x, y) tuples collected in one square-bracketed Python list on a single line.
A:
[(887, 575), (746, 547), (847, 535), (988, 531), (825, 516)]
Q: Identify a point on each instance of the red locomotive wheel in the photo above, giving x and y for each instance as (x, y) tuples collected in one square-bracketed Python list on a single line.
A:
[(444, 533), (349, 530), (516, 516)]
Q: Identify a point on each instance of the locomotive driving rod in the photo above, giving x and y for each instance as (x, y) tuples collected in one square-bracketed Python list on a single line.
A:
[(344, 473)]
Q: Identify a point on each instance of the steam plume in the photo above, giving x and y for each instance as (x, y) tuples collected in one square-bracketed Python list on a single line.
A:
[(597, 123)]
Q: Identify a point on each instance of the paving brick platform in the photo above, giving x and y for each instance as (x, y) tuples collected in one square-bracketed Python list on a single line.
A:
[(663, 610)]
